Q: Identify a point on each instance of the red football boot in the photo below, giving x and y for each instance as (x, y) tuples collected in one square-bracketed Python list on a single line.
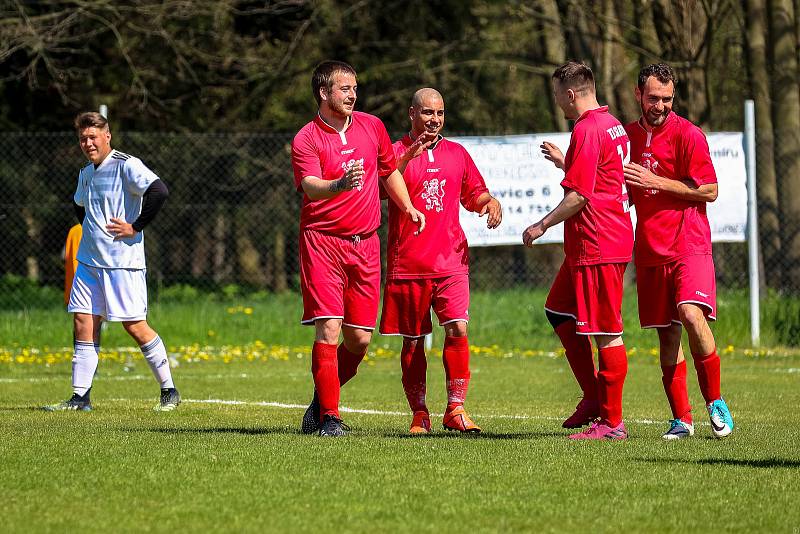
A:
[(457, 419)]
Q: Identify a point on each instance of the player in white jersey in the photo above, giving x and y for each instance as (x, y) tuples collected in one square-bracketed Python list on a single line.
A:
[(117, 196)]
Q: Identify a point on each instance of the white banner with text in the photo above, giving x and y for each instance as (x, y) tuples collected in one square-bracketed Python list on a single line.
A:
[(528, 186)]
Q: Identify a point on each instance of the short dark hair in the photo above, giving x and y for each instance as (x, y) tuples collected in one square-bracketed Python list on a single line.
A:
[(324, 74), (662, 72), (575, 75), (90, 119)]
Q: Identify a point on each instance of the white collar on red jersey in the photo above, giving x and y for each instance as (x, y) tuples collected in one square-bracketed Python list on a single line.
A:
[(348, 122)]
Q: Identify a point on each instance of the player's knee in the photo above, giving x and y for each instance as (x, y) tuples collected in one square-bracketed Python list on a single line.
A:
[(86, 326), (359, 346), (456, 329), (357, 340), (140, 331), (691, 316), (556, 319), (328, 330)]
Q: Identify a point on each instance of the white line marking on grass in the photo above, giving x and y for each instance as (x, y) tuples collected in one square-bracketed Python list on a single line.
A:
[(122, 378), (364, 411)]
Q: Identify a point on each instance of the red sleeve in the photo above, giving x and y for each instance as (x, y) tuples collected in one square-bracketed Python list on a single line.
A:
[(697, 158), (399, 149), (584, 155), (386, 159), (305, 158), (472, 184)]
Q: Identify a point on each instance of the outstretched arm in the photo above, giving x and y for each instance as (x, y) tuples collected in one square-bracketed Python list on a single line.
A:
[(553, 153), (422, 142), (486, 203), (396, 189), (572, 203)]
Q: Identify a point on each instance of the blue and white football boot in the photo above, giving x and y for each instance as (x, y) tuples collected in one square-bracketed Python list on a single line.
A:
[(721, 420)]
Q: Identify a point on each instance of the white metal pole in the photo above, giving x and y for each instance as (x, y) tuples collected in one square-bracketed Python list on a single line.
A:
[(752, 220), (103, 110), (429, 341)]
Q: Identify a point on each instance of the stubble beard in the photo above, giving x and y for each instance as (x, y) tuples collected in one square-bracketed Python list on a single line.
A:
[(340, 109), (658, 120)]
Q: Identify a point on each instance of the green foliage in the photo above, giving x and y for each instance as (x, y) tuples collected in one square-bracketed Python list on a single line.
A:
[(233, 65), (513, 319), (15, 289), (782, 316)]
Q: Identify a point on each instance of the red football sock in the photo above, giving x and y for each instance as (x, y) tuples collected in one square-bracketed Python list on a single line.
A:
[(707, 368), (674, 380), (326, 378), (414, 366), (348, 363), (611, 377), (455, 357), (579, 355)]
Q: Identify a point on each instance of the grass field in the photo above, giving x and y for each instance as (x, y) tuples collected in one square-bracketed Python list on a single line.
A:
[(231, 459)]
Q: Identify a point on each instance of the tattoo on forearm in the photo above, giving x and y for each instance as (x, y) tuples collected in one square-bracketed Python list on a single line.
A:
[(338, 185)]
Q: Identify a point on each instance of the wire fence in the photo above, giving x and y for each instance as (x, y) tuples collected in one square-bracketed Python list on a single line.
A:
[(230, 224)]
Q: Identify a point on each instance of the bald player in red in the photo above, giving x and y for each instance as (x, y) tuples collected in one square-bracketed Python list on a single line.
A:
[(432, 270), (671, 180), (586, 297), (339, 159)]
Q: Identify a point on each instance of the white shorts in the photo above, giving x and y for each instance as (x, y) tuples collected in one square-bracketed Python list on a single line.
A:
[(113, 294)]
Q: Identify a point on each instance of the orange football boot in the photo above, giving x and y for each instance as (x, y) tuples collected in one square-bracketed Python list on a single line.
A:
[(421, 424), (457, 419)]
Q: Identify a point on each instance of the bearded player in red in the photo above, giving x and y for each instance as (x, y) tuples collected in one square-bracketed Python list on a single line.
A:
[(338, 160), (432, 270), (672, 179), (586, 297)]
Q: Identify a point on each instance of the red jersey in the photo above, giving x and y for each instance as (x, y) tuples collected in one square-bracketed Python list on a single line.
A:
[(668, 227), (320, 150), (438, 180), (601, 232)]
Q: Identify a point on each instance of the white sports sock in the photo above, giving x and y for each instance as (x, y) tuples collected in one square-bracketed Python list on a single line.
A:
[(156, 355), (84, 365)]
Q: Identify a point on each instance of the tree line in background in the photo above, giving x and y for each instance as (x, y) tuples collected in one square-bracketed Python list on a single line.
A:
[(183, 67)]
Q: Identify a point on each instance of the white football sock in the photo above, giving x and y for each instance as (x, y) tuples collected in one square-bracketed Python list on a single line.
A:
[(156, 355), (84, 365)]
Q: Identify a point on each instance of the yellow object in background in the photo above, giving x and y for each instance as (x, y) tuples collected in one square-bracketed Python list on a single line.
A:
[(71, 258)]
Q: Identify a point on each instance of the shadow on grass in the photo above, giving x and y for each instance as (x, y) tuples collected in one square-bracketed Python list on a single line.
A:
[(762, 463), (482, 436), (220, 430)]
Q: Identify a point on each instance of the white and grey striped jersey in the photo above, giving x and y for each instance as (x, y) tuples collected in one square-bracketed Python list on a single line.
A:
[(113, 189)]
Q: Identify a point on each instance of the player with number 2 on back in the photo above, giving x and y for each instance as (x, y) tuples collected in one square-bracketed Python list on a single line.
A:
[(586, 297)]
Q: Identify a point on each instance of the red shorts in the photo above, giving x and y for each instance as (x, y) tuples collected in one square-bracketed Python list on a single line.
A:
[(407, 304), (340, 278), (662, 288), (590, 294)]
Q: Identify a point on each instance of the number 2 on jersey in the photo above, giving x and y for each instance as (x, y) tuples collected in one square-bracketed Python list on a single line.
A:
[(626, 158)]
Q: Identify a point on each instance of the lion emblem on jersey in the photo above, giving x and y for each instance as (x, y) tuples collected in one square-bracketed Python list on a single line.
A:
[(433, 193)]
